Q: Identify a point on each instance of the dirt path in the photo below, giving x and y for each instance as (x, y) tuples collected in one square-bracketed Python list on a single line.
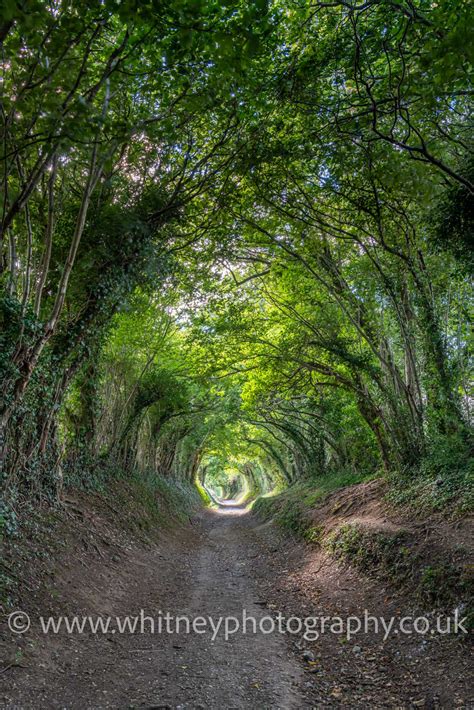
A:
[(247, 670), (201, 572), (223, 563)]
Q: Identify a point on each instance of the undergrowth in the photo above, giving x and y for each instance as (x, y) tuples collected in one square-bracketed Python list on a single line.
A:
[(397, 558), (203, 494), (444, 480), (138, 504), (290, 508), (150, 501)]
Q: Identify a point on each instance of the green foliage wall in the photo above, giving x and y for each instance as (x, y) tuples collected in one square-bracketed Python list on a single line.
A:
[(235, 233)]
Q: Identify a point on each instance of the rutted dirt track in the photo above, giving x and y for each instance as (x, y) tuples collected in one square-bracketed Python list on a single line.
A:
[(224, 563)]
